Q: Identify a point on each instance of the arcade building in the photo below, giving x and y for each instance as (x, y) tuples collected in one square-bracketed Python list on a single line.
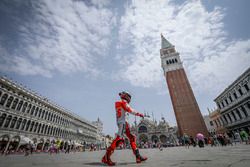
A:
[(26, 117)]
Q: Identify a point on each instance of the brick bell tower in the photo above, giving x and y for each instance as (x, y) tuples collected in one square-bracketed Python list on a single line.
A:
[(187, 112)]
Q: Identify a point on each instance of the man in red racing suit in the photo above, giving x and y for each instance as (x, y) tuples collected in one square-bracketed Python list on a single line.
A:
[(122, 110)]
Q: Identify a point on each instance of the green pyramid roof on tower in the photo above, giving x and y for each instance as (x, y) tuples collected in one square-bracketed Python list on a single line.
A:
[(165, 43)]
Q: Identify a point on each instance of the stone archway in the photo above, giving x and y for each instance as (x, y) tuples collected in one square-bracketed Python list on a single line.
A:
[(40, 144), (46, 145), (4, 140), (143, 138), (163, 139), (142, 129), (14, 143), (154, 139)]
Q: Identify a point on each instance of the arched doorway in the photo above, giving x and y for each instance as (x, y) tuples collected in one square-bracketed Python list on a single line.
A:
[(40, 144), (14, 143), (154, 139), (46, 145), (163, 139), (3, 142), (142, 129), (143, 138)]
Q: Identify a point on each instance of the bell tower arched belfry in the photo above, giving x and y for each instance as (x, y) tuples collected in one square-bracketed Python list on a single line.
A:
[(188, 116)]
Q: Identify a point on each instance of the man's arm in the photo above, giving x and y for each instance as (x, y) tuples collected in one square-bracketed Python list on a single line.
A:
[(131, 110)]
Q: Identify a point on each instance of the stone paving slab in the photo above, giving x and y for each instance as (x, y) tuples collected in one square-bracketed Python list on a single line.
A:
[(230, 156)]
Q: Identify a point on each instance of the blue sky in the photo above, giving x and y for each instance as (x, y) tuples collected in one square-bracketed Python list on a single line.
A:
[(80, 54)]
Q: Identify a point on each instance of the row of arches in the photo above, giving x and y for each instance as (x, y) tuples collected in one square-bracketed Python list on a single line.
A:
[(235, 115), (15, 143), (17, 104), (233, 95), (171, 61), (163, 139), (23, 124)]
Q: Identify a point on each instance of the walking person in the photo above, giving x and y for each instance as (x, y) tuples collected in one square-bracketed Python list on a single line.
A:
[(122, 110)]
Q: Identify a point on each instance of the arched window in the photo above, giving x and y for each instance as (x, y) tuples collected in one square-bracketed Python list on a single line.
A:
[(18, 123), (45, 129), (24, 107), (39, 128), (31, 126), (172, 61), (14, 104), (28, 109), (175, 60), (229, 118), (40, 112), (19, 105), (51, 117), (23, 124), (142, 129), (2, 118), (13, 122), (167, 62), (239, 114), (48, 116), (3, 99), (35, 127), (42, 129), (32, 110), (234, 116), (43, 114), (36, 112), (9, 101), (28, 125), (7, 121), (48, 130)]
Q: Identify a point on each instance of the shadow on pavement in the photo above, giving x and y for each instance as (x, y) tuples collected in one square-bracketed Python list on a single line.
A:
[(102, 164)]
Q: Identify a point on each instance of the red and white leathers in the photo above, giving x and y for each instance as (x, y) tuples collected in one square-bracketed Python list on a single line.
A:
[(122, 110)]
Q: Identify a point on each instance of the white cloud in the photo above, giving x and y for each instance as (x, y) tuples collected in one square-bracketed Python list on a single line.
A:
[(198, 35), (66, 36)]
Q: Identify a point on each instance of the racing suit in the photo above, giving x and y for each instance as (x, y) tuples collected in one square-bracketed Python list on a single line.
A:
[(122, 111)]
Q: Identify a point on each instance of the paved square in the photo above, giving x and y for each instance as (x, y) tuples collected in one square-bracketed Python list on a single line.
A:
[(230, 156)]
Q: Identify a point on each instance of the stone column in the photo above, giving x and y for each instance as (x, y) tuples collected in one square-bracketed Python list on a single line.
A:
[(237, 116), (7, 146), (4, 121), (231, 115), (19, 144), (228, 120), (43, 145)]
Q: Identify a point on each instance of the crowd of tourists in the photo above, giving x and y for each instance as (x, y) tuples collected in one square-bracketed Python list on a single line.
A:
[(216, 140), (51, 148)]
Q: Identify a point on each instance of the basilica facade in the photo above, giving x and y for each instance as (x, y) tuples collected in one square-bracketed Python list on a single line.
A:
[(151, 133)]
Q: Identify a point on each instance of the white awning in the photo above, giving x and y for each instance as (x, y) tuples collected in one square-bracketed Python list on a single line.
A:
[(78, 144), (25, 140)]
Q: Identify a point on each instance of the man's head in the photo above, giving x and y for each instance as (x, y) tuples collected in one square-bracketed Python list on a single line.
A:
[(125, 95)]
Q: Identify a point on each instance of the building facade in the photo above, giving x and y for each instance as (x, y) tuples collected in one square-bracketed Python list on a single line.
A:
[(26, 117), (150, 133), (188, 116), (216, 124), (234, 104)]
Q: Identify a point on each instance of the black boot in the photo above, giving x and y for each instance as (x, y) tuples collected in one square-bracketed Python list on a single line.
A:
[(139, 158)]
